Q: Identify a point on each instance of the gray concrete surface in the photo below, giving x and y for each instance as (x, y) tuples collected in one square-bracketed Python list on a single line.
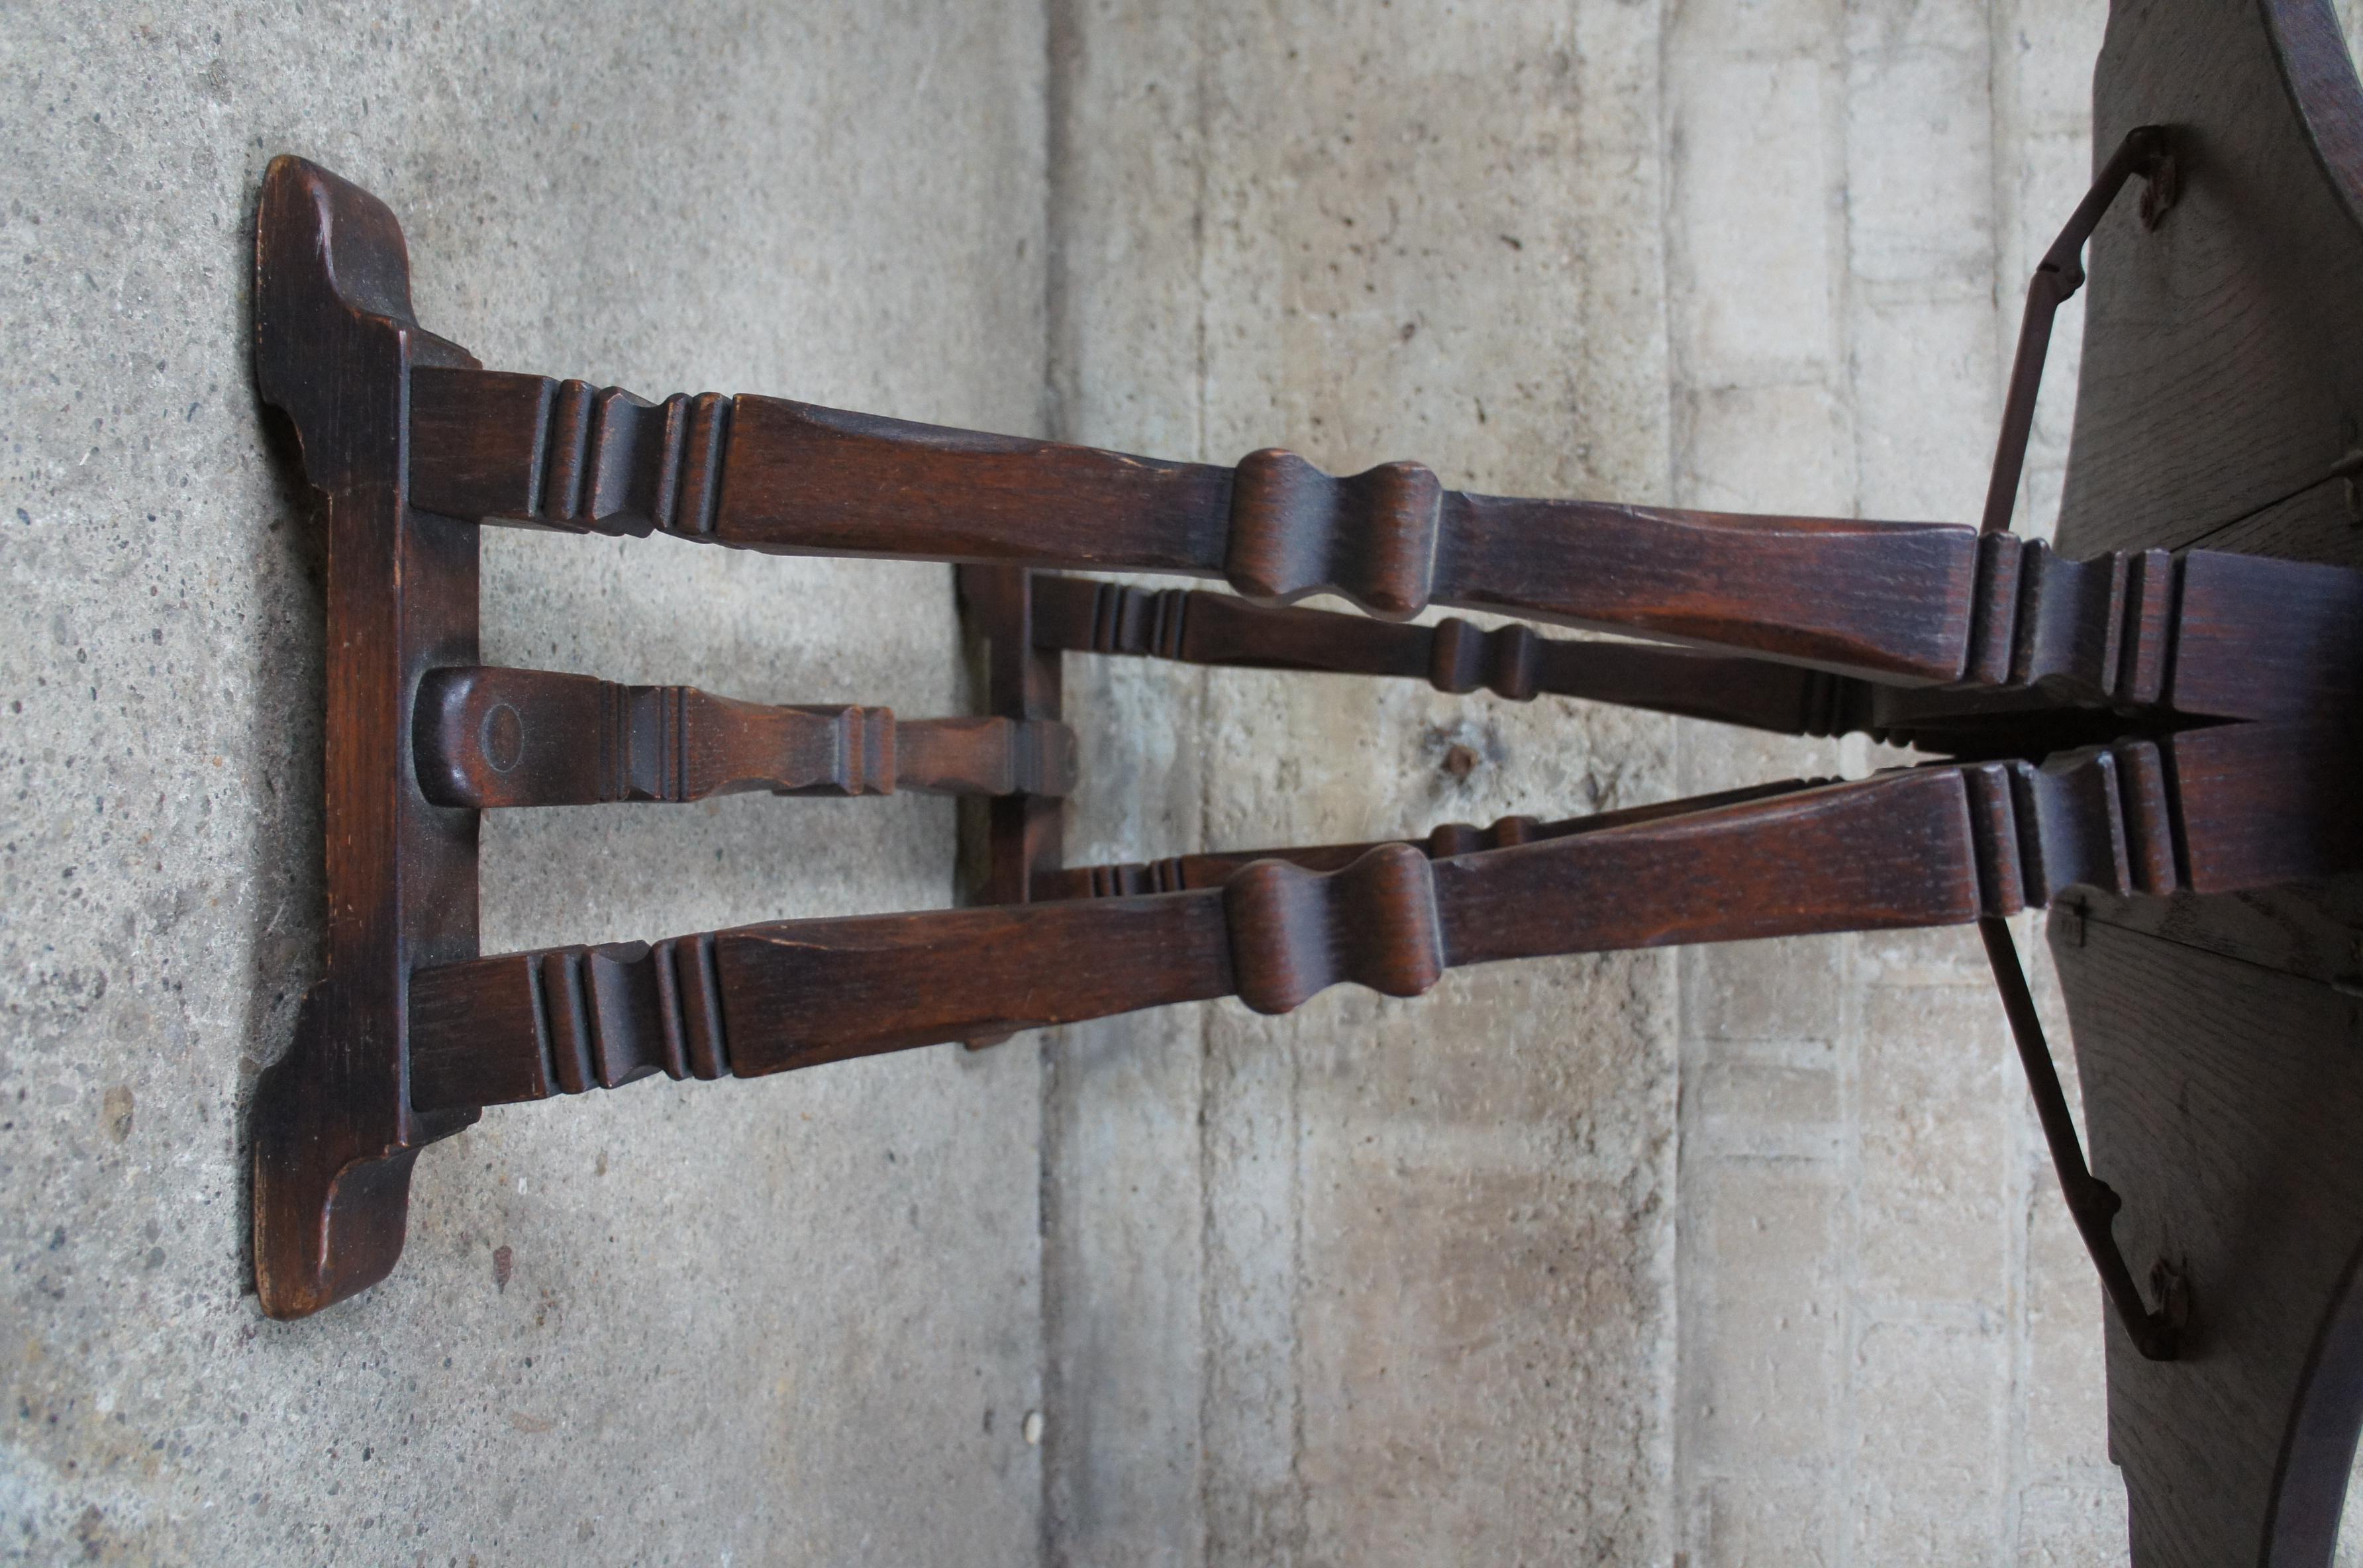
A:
[(782, 1323), (1746, 1256)]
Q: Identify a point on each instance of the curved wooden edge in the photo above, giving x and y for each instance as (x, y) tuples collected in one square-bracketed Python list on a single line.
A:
[(2318, 1456), (2220, 1096), (333, 1136), (329, 1215), (2319, 71)]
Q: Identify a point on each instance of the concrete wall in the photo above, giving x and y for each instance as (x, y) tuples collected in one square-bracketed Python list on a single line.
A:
[(1891, 1339), (781, 1322), (1382, 1281), (1417, 1283)]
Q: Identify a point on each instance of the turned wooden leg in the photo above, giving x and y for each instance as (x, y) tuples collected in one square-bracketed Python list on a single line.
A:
[(1080, 615), (1900, 604), (763, 473), (1182, 872), (2210, 811), (529, 737)]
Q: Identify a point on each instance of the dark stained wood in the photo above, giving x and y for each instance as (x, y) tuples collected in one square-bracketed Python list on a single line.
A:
[(2221, 1100), (2208, 635), (1926, 847), (1193, 624), (1887, 598), (334, 1132), (530, 737), (2222, 361), (2309, 665), (1905, 604), (1211, 870), (2153, 731), (2217, 406), (1024, 683)]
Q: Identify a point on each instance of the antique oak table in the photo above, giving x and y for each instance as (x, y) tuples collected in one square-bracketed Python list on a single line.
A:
[(2152, 730)]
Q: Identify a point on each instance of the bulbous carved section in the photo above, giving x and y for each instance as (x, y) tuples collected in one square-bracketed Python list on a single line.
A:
[(1461, 659), (1295, 530), (1296, 933)]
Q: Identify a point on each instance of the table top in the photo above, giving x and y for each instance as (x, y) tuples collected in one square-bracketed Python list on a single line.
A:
[(2219, 1040)]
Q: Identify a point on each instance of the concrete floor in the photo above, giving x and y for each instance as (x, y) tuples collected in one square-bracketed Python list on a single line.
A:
[(1740, 1256), (792, 1322)]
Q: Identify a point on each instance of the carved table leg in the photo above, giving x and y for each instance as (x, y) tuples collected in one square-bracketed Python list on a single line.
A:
[(1926, 847), (1895, 600), (1211, 870), (1083, 615)]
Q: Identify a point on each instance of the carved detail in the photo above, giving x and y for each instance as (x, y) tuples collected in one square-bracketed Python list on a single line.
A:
[(1993, 608), (600, 1018), (2094, 632), (1190, 872), (1461, 659), (1296, 933), (2098, 818), (489, 737), (1372, 536), (1174, 874), (1513, 661), (1449, 839), (1126, 620), (567, 455)]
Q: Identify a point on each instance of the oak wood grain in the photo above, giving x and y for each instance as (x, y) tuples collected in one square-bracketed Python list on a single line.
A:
[(2216, 408), (1894, 599)]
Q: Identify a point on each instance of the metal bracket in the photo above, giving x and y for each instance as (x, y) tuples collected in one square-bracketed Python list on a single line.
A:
[(2092, 1202)]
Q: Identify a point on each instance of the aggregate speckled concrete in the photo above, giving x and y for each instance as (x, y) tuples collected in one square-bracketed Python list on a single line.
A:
[(790, 1321)]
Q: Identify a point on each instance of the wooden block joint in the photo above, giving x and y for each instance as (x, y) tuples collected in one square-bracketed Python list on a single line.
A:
[(1139, 620), (2101, 817)]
